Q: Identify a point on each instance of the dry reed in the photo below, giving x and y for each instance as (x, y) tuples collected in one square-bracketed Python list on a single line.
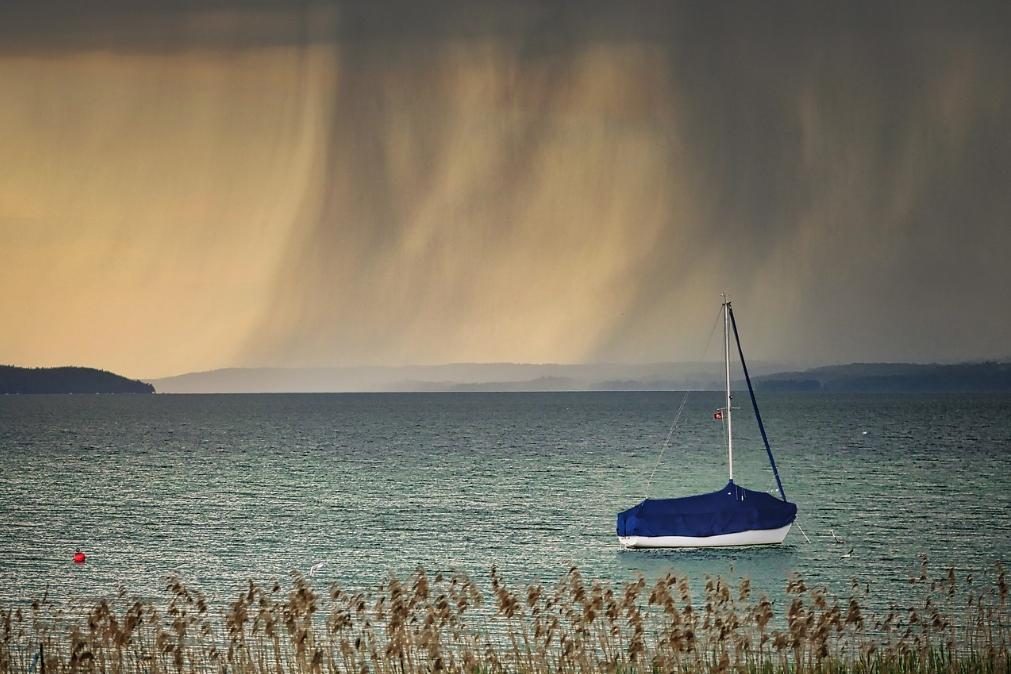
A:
[(446, 623)]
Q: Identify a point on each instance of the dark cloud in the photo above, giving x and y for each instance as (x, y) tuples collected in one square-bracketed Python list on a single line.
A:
[(578, 181), (844, 164)]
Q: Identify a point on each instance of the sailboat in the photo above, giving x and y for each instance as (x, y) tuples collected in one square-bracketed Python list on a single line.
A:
[(729, 516)]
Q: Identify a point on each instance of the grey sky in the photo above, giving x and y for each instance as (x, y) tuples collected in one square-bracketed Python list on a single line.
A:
[(578, 181)]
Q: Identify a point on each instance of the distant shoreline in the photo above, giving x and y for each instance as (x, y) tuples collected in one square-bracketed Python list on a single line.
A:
[(979, 377), (509, 377), (894, 378), (66, 380)]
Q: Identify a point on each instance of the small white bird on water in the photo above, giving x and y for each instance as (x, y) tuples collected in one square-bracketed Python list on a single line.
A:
[(848, 554), (316, 568)]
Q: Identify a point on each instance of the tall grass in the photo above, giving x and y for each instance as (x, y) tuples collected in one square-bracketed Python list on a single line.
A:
[(447, 623)]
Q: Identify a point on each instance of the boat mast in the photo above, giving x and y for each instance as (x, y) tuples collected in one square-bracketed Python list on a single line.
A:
[(754, 404), (726, 362)]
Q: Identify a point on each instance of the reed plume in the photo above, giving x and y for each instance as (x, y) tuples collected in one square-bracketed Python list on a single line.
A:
[(449, 624)]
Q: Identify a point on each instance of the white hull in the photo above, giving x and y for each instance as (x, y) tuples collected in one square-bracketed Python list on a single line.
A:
[(751, 537)]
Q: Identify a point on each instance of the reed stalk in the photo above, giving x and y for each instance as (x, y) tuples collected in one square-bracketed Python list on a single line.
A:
[(448, 624)]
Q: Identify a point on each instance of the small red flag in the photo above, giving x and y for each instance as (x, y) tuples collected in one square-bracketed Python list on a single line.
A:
[(718, 415)]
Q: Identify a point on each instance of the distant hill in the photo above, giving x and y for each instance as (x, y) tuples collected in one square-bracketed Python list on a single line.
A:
[(893, 377), (456, 377), (463, 377), (66, 380)]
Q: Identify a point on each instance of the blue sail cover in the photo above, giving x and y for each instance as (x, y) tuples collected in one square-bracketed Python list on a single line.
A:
[(728, 511)]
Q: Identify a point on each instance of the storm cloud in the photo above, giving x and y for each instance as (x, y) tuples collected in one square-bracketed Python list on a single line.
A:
[(194, 185)]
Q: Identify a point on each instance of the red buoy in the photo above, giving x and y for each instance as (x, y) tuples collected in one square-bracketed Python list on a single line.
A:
[(79, 557)]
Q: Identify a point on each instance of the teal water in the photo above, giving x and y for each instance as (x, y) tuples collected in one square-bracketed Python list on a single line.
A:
[(221, 489)]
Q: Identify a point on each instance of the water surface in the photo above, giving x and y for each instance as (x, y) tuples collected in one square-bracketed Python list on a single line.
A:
[(221, 489)]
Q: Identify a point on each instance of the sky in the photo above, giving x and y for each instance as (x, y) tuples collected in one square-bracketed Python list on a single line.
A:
[(192, 185)]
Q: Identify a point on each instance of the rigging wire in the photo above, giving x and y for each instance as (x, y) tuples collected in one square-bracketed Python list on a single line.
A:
[(666, 442), (754, 404), (681, 407)]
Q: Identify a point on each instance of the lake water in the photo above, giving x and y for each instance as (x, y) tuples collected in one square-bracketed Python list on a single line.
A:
[(221, 489)]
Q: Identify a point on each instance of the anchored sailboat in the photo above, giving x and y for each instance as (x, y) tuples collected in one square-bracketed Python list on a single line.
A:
[(730, 516)]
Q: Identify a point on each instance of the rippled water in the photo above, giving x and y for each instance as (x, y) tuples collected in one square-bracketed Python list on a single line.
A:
[(221, 489)]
